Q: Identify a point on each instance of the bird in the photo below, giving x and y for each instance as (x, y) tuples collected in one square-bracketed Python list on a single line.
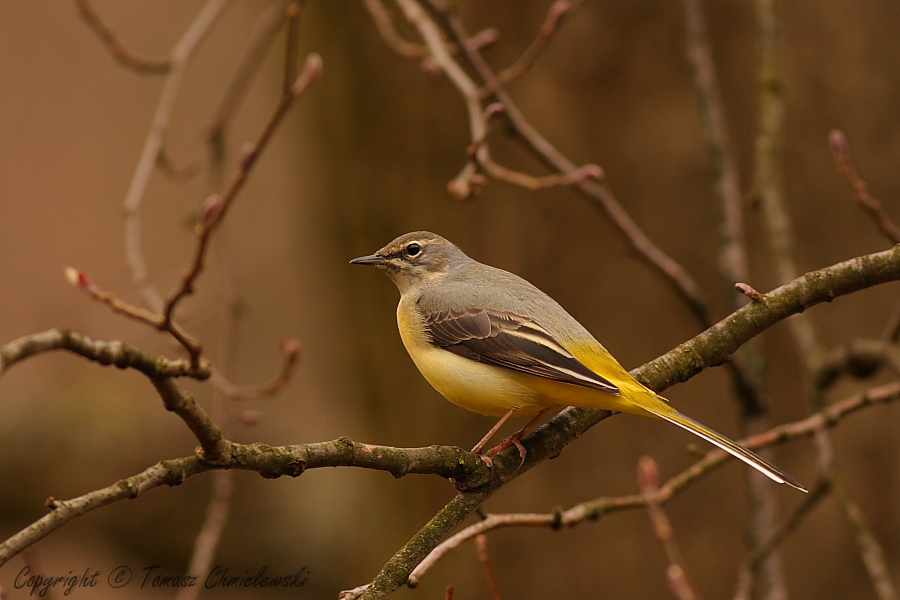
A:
[(494, 344)]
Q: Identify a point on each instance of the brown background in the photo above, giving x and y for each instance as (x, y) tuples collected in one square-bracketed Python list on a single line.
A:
[(365, 156)]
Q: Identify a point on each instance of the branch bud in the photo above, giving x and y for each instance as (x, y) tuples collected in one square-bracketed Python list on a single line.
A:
[(77, 277), (647, 474), (209, 209), (840, 147)]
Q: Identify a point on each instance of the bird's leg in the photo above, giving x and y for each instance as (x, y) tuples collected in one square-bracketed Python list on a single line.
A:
[(479, 447), (516, 438)]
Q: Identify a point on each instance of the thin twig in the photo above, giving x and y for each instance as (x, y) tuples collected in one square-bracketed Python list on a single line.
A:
[(733, 261), (860, 358), (292, 14), (261, 39), (744, 588), (485, 559), (82, 281), (840, 150), (769, 185), (385, 24), (290, 351), (207, 540), (870, 550), (171, 472), (891, 331), (182, 53), (217, 206), (648, 483), (115, 45), (555, 15)]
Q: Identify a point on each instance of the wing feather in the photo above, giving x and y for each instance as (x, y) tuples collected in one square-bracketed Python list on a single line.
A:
[(511, 341)]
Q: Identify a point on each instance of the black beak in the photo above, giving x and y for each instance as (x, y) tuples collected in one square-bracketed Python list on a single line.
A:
[(372, 259)]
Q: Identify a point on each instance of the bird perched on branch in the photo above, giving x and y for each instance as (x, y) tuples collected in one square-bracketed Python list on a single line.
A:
[(494, 344)]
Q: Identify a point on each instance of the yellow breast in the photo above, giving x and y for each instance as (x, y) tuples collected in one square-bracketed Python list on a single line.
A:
[(474, 386)]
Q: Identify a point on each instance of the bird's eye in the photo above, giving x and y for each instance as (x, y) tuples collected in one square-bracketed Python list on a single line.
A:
[(413, 249)]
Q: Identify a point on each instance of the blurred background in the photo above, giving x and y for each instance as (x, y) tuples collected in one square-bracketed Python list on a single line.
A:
[(364, 156)]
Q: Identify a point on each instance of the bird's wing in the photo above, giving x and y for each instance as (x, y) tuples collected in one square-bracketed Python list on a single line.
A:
[(508, 340)]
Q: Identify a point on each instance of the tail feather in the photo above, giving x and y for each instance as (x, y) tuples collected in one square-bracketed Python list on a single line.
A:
[(733, 448)]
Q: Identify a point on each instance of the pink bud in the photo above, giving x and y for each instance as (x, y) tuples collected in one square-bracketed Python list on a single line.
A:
[(209, 209), (648, 473), (559, 9), (594, 172), (748, 291), (250, 416), (840, 147), (77, 277), (291, 349)]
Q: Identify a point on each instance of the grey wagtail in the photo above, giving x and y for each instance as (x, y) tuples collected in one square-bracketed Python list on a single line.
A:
[(492, 343)]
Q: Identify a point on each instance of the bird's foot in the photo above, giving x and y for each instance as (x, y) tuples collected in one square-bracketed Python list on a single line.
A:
[(513, 440)]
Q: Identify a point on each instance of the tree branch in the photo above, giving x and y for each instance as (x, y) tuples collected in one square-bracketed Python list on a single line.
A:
[(269, 461), (840, 151), (114, 353), (115, 45)]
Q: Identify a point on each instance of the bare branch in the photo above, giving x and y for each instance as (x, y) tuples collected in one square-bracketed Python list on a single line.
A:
[(115, 45), (840, 150), (385, 24), (171, 472), (558, 11), (207, 540), (101, 352), (290, 351), (873, 556), (81, 280), (648, 483), (212, 442), (485, 559), (261, 38), (270, 462), (182, 53), (745, 575), (216, 208)]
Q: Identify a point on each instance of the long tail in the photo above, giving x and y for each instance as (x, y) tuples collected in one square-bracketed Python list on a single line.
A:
[(729, 446)]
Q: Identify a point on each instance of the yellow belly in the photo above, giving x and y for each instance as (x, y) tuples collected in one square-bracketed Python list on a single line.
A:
[(474, 386)]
